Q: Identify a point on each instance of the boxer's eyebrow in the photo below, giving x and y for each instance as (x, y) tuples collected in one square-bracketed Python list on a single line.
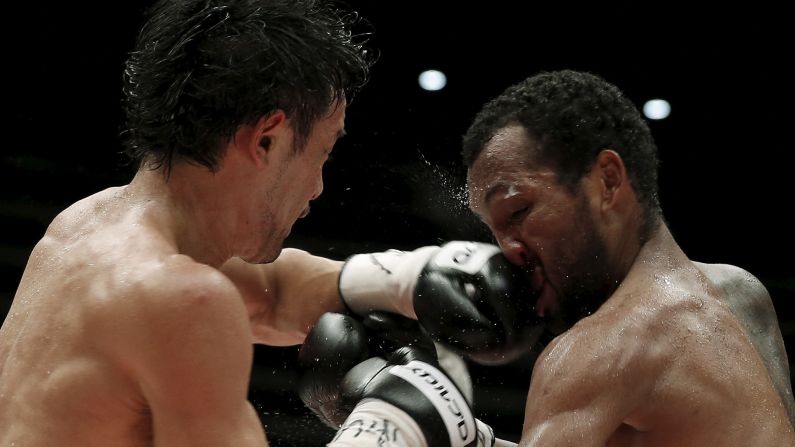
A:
[(492, 191)]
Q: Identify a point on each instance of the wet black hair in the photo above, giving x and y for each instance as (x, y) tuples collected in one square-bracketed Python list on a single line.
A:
[(202, 68)]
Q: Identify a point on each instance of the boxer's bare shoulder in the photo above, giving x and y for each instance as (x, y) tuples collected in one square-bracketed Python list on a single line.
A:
[(608, 350), (108, 322), (655, 345), (744, 293), (750, 302)]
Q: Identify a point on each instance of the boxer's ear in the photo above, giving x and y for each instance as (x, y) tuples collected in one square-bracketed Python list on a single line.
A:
[(267, 133), (611, 176)]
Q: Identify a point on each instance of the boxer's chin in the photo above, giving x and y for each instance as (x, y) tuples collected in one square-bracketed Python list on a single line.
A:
[(267, 253), (260, 258)]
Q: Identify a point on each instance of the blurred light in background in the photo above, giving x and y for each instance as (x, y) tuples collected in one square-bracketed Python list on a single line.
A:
[(657, 109), (432, 80)]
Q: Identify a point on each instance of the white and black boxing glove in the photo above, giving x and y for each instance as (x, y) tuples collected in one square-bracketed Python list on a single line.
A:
[(405, 400), (466, 294)]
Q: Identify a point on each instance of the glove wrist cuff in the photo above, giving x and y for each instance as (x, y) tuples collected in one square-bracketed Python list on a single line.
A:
[(375, 422), (383, 281)]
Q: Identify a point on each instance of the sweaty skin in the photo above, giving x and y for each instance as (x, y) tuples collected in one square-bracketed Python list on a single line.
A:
[(676, 353), (134, 320), (663, 362), (750, 302)]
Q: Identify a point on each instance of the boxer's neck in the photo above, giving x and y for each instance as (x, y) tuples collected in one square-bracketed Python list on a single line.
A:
[(193, 207)]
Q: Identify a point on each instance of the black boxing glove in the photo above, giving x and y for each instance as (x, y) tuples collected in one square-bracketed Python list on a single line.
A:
[(337, 343), (388, 331), (466, 294), (470, 297)]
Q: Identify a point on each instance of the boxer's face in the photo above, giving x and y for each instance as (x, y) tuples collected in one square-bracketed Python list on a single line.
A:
[(295, 180), (541, 225)]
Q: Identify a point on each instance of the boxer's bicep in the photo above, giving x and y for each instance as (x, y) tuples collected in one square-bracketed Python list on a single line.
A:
[(193, 363)]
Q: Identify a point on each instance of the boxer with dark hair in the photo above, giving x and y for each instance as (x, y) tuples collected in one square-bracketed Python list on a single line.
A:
[(654, 348), (134, 320)]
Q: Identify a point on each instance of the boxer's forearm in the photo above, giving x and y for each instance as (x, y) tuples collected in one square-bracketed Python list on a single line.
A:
[(303, 287), (286, 297)]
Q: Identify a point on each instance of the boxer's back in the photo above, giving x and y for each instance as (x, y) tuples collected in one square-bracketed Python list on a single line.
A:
[(60, 371)]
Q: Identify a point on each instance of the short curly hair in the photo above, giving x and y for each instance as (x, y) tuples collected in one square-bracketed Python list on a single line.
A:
[(573, 116), (202, 68)]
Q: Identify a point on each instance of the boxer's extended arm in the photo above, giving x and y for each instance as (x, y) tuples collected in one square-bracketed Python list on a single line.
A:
[(466, 294), (286, 297), (190, 351)]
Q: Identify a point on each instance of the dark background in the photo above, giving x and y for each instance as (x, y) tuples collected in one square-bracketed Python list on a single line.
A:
[(395, 180)]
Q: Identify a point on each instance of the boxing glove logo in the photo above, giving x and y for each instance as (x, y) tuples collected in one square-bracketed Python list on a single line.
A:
[(445, 397), (467, 257)]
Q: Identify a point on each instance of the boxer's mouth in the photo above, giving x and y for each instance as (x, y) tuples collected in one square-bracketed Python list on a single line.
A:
[(544, 300), (536, 275)]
